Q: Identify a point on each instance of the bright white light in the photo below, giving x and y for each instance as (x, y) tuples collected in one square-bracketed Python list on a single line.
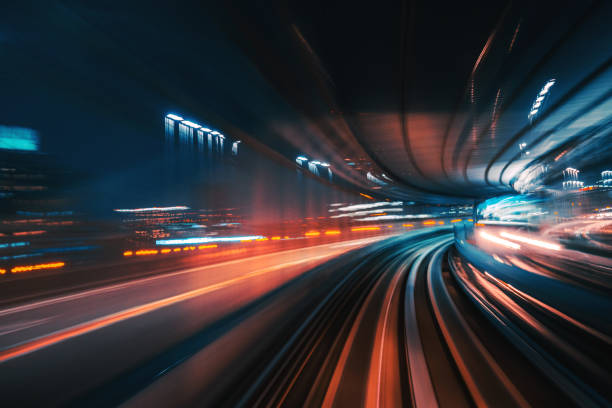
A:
[(325, 164), (537, 104), (356, 207), (533, 112), (173, 116), (497, 240), (214, 132), (203, 240), (148, 209), (315, 162), (301, 158), (221, 136), (191, 124), (531, 241), (206, 130), (539, 99)]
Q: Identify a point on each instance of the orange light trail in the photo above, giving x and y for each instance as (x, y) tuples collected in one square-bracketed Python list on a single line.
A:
[(147, 252), (407, 225), (430, 222), (366, 196), (275, 238), (176, 250), (441, 222), (29, 233), (332, 232), (28, 268), (356, 229), (374, 215), (208, 246), (455, 220), (128, 253), (312, 234), (2, 271), (166, 250)]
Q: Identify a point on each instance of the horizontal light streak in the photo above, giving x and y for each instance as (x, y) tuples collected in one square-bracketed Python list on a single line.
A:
[(357, 229), (333, 232), (367, 212), (312, 234), (27, 268), (149, 209), (498, 240), (204, 240), (531, 241)]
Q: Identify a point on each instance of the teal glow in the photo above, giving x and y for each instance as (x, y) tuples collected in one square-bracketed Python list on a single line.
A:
[(17, 138)]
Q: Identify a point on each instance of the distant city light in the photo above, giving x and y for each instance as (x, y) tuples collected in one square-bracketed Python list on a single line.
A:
[(540, 99), (18, 138), (149, 209), (206, 130), (191, 124), (174, 117)]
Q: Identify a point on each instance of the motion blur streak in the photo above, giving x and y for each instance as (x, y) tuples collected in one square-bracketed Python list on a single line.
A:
[(28, 268), (531, 241), (306, 203), (498, 240)]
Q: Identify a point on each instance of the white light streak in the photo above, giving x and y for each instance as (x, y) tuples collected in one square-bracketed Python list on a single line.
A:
[(498, 240), (531, 241), (203, 240), (149, 209)]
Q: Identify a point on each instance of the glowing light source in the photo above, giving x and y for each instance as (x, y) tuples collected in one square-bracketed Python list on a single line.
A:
[(312, 234), (498, 240), (18, 138), (407, 225), (208, 246), (128, 253), (166, 250), (204, 240), (356, 229), (141, 252), (149, 209), (333, 232), (531, 241), (429, 222), (28, 268), (275, 238), (191, 124), (366, 196), (173, 116), (455, 220)]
